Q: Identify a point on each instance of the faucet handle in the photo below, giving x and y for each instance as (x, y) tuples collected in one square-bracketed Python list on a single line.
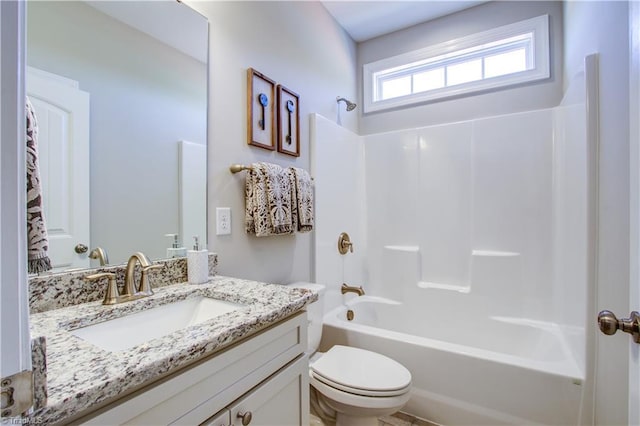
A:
[(111, 295), (145, 287), (344, 243)]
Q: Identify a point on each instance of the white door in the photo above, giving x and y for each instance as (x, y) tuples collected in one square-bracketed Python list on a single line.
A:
[(633, 367), (634, 140), (62, 113), (193, 192)]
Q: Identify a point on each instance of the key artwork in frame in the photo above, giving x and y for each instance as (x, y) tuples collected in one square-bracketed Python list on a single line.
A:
[(288, 122), (261, 108)]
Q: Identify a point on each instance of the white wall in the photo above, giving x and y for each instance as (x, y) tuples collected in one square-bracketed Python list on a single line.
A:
[(602, 27), (145, 97), (525, 97), (299, 45)]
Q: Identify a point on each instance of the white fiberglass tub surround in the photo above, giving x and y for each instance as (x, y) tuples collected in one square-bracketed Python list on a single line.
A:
[(474, 239)]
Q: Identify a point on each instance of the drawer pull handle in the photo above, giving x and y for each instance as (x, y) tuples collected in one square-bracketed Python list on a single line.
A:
[(246, 418)]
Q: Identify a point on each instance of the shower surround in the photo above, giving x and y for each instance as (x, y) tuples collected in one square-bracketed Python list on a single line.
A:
[(482, 221)]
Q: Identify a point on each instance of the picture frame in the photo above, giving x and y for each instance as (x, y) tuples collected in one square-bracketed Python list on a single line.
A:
[(288, 122), (261, 110)]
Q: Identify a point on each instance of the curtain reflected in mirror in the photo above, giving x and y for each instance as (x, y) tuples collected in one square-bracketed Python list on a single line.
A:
[(122, 115)]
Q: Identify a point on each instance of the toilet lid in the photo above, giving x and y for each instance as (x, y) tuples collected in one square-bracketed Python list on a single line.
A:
[(356, 370)]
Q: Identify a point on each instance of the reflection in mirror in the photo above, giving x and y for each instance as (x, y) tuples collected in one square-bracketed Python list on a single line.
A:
[(120, 93)]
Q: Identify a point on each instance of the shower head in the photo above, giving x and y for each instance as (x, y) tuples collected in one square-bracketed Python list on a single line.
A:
[(350, 105)]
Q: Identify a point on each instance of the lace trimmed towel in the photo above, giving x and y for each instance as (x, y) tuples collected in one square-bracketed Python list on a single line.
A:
[(268, 200), (279, 198), (37, 240), (277, 201), (256, 220), (304, 199)]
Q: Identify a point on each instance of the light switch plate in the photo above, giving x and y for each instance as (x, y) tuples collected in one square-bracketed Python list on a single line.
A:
[(223, 220)]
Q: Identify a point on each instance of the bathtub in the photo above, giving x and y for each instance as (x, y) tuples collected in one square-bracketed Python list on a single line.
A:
[(492, 370)]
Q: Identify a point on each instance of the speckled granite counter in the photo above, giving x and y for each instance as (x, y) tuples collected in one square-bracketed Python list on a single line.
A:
[(80, 375)]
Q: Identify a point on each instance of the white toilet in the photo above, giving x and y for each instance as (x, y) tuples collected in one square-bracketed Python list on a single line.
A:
[(353, 385)]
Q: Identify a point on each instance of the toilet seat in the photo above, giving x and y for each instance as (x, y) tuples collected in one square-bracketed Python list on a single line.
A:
[(336, 397), (361, 372), (356, 391)]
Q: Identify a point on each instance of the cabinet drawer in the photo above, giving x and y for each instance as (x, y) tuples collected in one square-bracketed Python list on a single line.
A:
[(191, 395), (282, 400), (222, 419)]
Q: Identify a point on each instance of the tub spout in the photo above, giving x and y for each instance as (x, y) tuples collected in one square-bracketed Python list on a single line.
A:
[(349, 289)]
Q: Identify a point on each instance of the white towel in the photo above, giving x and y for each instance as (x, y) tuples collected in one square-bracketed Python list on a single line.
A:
[(303, 192)]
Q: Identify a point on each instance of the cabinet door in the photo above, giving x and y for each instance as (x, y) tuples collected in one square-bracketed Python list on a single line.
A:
[(222, 419), (282, 400)]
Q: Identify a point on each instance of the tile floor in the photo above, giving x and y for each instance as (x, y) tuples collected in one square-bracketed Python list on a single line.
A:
[(402, 419)]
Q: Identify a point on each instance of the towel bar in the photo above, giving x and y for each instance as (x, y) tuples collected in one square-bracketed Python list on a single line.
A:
[(237, 168)]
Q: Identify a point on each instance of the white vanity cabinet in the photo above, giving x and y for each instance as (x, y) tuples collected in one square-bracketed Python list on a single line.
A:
[(265, 374), (281, 400)]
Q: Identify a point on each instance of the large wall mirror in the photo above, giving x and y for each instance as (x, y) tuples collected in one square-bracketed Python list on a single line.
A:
[(120, 95)]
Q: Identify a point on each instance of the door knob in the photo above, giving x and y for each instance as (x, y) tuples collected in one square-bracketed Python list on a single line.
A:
[(80, 248), (609, 324)]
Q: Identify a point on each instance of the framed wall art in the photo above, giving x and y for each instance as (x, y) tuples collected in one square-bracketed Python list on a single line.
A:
[(288, 122), (261, 110)]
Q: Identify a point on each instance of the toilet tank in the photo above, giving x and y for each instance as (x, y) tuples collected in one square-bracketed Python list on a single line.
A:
[(315, 311)]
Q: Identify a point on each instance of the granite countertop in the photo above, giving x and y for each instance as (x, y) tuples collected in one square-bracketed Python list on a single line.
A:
[(80, 375)]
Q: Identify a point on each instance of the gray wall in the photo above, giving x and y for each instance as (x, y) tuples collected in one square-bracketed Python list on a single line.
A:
[(145, 97), (299, 45), (526, 97)]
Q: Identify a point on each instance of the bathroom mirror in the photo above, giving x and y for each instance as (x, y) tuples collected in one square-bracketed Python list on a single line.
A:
[(120, 93)]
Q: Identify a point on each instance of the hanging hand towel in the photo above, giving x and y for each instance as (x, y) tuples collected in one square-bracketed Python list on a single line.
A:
[(37, 240), (256, 206), (268, 200), (304, 199), (279, 198)]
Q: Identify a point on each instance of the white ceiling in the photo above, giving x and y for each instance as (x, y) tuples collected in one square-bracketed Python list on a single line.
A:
[(364, 20)]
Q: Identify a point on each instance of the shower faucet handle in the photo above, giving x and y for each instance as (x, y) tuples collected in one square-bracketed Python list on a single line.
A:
[(344, 243)]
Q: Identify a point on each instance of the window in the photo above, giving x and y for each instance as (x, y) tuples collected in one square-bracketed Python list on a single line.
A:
[(496, 58)]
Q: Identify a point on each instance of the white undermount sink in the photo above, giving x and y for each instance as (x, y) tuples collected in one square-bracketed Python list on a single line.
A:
[(131, 330)]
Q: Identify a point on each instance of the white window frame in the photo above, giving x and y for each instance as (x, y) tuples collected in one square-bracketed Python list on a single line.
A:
[(539, 26)]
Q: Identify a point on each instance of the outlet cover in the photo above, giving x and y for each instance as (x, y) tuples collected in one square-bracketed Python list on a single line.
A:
[(223, 220)]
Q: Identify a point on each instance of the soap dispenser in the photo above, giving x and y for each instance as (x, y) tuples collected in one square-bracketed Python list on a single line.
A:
[(175, 250), (197, 264)]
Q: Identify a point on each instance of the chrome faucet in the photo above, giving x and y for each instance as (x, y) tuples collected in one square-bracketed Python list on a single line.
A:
[(348, 289), (129, 292)]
